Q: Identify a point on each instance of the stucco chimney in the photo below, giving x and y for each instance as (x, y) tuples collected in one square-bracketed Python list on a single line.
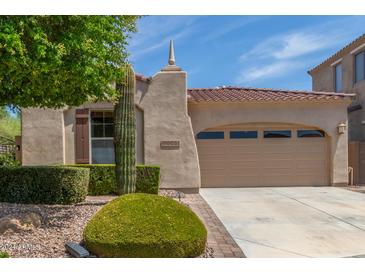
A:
[(166, 121)]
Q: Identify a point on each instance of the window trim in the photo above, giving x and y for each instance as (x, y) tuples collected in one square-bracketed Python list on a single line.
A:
[(278, 137), (96, 138), (337, 62)]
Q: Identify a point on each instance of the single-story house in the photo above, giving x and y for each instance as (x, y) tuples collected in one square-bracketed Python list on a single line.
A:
[(205, 137)]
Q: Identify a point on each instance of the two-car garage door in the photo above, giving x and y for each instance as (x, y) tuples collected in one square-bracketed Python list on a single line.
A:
[(264, 155)]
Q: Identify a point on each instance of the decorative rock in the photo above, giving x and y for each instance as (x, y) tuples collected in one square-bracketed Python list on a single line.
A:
[(32, 219), (16, 224), (8, 224), (172, 193)]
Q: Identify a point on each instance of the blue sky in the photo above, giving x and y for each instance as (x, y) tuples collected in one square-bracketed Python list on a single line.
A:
[(250, 51)]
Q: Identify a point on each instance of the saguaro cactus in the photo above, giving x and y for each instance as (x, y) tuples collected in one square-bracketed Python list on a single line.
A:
[(124, 133)]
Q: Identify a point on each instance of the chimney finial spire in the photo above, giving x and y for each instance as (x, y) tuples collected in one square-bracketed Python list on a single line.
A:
[(171, 66), (171, 53)]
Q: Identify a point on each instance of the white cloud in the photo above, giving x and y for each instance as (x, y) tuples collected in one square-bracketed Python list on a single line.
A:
[(299, 44), (155, 32), (282, 55), (289, 46), (272, 70), (227, 28), (302, 42), (163, 43)]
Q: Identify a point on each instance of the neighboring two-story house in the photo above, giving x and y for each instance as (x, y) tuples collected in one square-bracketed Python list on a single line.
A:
[(344, 72)]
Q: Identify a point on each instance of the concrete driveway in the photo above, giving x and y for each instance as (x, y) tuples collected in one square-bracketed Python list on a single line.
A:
[(292, 221)]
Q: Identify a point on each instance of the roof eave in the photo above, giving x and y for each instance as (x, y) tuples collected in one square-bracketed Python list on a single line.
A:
[(340, 53), (347, 100)]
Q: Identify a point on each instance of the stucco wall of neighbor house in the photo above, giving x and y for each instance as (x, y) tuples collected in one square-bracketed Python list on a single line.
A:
[(166, 119), (322, 115), (42, 136), (323, 80)]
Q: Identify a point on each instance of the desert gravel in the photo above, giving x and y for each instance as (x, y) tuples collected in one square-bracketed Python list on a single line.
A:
[(60, 224)]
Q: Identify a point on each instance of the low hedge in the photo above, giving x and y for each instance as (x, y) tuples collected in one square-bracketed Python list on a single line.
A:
[(102, 178), (4, 254), (145, 226), (43, 184)]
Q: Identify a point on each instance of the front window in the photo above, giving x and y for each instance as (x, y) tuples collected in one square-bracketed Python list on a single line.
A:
[(102, 147), (338, 77), (359, 67)]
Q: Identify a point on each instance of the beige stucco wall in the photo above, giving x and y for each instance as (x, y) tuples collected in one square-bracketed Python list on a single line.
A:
[(49, 135), (42, 137), (323, 80), (166, 119), (324, 115)]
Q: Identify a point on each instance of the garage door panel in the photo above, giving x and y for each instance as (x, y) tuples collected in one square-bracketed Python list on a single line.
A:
[(305, 165), (263, 162), (273, 148), (283, 164), (209, 152), (309, 149), (238, 165), (242, 150), (243, 173)]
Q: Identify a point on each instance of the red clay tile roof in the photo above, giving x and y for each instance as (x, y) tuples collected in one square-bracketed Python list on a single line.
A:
[(240, 94), (142, 78), (345, 50)]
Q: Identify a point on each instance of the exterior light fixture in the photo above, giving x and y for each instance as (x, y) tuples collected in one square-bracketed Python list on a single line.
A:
[(341, 128)]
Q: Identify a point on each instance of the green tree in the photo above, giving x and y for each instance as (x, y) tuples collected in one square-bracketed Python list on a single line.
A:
[(9, 126), (53, 61), (56, 61), (3, 112)]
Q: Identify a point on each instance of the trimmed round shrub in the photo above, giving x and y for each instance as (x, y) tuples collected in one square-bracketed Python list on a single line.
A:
[(43, 184), (145, 226)]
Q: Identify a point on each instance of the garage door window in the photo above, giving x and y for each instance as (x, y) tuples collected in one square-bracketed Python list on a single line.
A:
[(310, 133), (243, 134), (277, 134), (210, 135)]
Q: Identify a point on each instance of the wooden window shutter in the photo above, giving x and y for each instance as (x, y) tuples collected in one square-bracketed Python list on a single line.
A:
[(82, 136)]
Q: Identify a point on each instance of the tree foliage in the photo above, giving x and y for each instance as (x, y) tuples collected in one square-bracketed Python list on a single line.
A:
[(9, 126), (53, 61)]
